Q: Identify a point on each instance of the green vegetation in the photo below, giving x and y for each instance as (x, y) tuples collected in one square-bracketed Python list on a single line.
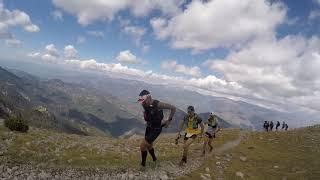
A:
[(42, 109), (49, 148), (47, 104), (276, 155), (62, 150), (17, 124)]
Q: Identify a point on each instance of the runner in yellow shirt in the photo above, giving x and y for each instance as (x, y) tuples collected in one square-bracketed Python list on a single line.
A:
[(192, 121)]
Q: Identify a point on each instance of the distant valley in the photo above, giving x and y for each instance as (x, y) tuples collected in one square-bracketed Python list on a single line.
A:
[(101, 105)]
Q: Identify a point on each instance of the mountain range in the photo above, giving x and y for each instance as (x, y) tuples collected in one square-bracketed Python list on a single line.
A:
[(238, 113), (70, 107), (96, 104)]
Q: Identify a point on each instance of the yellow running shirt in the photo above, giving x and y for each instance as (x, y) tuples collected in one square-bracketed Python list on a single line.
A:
[(192, 125)]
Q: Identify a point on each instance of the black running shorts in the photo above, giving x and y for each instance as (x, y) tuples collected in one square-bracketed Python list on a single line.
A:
[(151, 134)]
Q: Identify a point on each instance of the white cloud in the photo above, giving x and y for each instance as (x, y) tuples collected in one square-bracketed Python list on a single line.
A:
[(51, 53), (127, 57), (57, 15), (208, 83), (144, 7), (88, 12), (14, 18), (13, 43), (180, 68), (52, 50), (269, 72), (4, 31), (135, 32), (81, 40), (34, 55), (31, 28), (205, 25), (92, 64), (49, 58), (70, 52), (260, 66), (159, 25), (314, 14), (98, 34), (284, 70)]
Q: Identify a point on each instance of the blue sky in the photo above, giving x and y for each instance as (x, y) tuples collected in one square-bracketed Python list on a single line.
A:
[(250, 49), (67, 30)]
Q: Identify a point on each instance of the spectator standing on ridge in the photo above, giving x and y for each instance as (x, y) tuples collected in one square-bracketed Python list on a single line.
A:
[(283, 125), (277, 125), (265, 125), (287, 127), (271, 125)]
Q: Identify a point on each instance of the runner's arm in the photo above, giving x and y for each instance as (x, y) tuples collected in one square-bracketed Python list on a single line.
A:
[(172, 109), (180, 127)]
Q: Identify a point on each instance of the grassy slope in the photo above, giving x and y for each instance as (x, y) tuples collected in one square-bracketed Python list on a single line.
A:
[(277, 155), (49, 148), (295, 153)]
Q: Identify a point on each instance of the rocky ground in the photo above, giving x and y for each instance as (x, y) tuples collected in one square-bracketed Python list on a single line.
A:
[(282, 155), (41, 154), (218, 161)]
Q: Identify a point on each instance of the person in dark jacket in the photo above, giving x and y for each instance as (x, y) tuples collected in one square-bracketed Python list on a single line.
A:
[(283, 125), (265, 125), (277, 125), (271, 125), (153, 115), (286, 127)]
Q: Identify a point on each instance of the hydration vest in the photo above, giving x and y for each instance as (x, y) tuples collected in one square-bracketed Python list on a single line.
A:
[(213, 121), (153, 115), (192, 125)]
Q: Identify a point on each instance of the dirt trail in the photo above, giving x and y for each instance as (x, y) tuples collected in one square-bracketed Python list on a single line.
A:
[(230, 144), (223, 162), (173, 170)]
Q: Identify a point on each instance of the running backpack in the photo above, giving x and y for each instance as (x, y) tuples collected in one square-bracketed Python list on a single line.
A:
[(213, 121), (193, 124), (152, 114)]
